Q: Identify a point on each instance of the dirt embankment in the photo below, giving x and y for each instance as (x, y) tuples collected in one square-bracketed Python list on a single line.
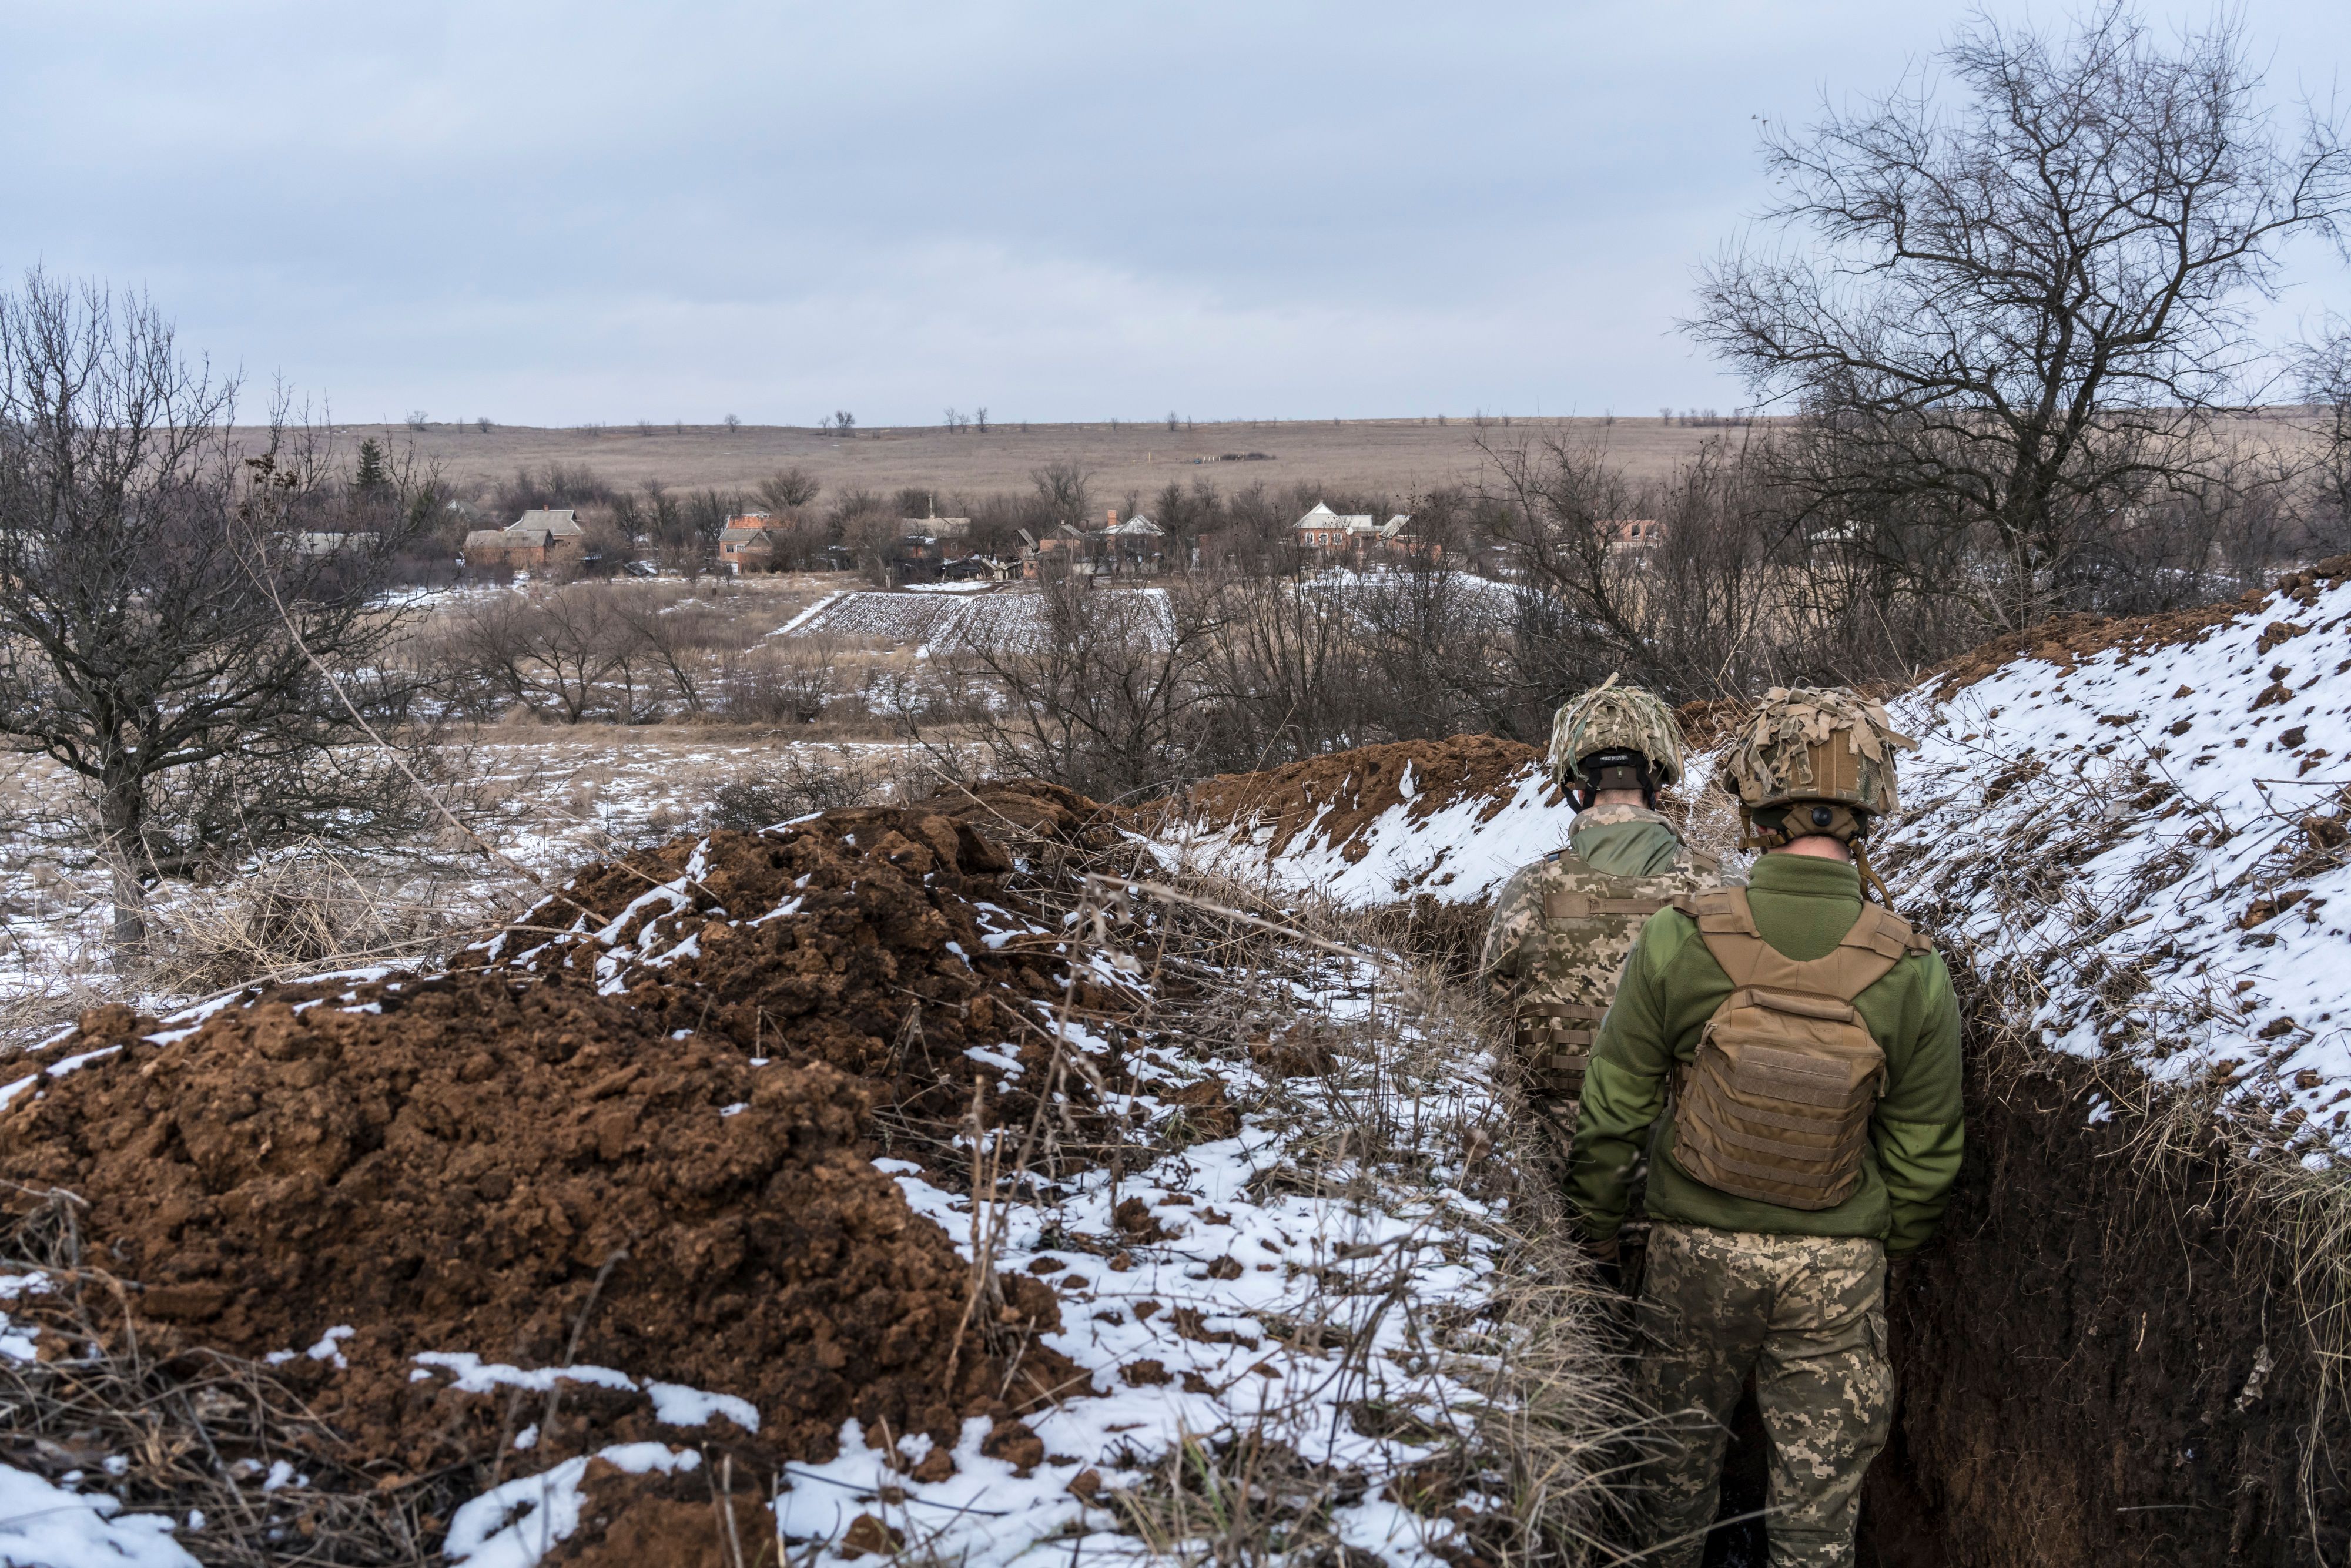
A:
[(644, 1143), (2104, 1360), (1337, 796)]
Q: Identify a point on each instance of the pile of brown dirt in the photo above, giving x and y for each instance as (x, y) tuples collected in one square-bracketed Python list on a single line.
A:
[(541, 1161), (1337, 796), (2067, 639)]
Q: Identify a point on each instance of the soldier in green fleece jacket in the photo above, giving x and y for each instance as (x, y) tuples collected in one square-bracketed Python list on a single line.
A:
[(1795, 1155)]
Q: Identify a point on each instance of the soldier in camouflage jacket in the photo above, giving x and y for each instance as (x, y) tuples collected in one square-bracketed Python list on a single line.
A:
[(1561, 927)]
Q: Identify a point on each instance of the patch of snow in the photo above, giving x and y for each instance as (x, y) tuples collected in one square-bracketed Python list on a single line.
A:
[(2159, 818), (46, 1525), (515, 1524), (674, 1404)]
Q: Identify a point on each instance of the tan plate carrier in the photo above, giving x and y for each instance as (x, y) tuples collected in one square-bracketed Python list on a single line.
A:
[(1776, 1104), (1554, 1039)]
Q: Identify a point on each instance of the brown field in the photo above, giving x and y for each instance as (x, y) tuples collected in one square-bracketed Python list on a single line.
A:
[(1399, 456)]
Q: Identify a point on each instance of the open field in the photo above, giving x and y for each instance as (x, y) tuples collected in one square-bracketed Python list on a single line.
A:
[(1403, 456)]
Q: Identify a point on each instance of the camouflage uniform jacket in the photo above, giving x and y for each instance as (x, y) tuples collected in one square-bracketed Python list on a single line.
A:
[(1560, 928)]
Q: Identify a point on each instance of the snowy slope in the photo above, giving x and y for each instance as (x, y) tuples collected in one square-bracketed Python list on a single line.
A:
[(2156, 831), (1459, 852)]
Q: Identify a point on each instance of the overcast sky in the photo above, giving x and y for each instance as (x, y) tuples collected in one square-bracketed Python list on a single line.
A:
[(551, 214)]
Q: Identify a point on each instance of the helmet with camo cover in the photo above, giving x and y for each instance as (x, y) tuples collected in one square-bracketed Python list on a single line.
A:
[(1821, 746), (1610, 718)]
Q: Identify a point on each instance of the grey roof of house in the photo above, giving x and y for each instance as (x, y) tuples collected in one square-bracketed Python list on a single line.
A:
[(745, 537), (487, 538), (557, 522)]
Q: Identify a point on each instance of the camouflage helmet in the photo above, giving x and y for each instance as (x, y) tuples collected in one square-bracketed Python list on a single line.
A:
[(1811, 743), (1612, 718)]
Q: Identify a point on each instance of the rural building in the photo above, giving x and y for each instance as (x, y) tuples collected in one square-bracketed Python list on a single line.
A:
[(745, 544), (1135, 547), (1633, 533), (539, 539), (1335, 537)]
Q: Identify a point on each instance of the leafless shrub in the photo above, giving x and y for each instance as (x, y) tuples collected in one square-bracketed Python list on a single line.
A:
[(299, 913), (798, 783)]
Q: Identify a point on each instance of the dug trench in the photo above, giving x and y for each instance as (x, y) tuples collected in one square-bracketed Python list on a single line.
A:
[(2105, 1357), (636, 1131), (2102, 1358)]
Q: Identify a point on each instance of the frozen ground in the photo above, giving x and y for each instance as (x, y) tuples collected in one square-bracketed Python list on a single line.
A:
[(1308, 1286), (548, 800), (2159, 835), (1460, 852)]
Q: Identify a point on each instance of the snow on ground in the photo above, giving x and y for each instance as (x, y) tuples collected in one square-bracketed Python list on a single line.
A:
[(1460, 852), (2159, 834), (1265, 1301), (950, 616), (548, 799)]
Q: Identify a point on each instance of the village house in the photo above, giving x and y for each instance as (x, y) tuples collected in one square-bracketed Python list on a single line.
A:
[(1333, 539), (1633, 533), (745, 544), (1135, 547), (539, 539)]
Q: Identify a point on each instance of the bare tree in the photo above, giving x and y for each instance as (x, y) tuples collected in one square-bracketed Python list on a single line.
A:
[(1101, 692), (172, 600), (733, 422), (979, 418), (417, 420), (2324, 369), (1064, 489), (2020, 306), (551, 653), (786, 489)]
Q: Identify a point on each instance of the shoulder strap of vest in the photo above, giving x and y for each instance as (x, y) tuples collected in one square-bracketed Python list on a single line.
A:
[(1877, 941), (1702, 862)]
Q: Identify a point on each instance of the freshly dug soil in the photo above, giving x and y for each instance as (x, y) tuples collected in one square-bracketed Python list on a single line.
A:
[(541, 1161), (454, 1171), (1355, 787), (2076, 1357), (663, 1521)]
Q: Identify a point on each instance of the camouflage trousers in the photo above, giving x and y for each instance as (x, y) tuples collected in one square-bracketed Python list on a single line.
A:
[(1806, 1314)]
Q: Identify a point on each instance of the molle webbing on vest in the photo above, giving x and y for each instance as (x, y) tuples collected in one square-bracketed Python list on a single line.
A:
[(1776, 1105), (1559, 906), (1554, 1040)]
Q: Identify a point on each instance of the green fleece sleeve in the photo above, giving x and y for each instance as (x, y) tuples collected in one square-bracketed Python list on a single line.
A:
[(1624, 1089), (1917, 1126)]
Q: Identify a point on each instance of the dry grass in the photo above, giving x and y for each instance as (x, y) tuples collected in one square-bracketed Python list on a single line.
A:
[(190, 1431), (1532, 1463)]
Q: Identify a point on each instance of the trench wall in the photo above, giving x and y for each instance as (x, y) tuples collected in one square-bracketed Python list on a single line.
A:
[(2075, 1353)]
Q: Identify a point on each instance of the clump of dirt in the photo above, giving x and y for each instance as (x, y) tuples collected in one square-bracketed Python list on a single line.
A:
[(638, 1133), (2067, 639), (658, 1521), (880, 941), (1331, 799), (523, 1170)]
